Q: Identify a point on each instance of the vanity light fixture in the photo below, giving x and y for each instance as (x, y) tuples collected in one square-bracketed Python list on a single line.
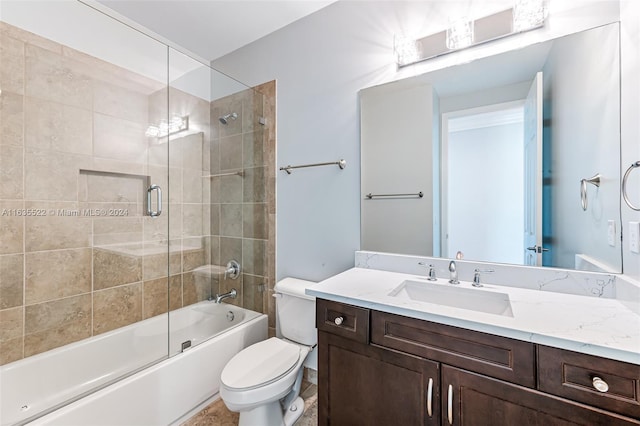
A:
[(525, 15), (405, 50), (460, 34), (175, 125)]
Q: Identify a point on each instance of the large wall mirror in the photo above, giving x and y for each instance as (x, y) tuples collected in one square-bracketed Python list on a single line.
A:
[(513, 158)]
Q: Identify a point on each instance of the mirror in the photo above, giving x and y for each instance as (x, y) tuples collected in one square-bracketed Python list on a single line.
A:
[(488, 158)]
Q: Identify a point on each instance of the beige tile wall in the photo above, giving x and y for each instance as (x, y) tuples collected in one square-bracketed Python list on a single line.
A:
[(243, 207), (72, 138)]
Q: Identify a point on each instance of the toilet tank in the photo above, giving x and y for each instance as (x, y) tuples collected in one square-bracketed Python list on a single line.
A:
[(296, 311)]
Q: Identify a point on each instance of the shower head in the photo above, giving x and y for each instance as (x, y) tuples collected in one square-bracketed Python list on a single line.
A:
[(225, 118)]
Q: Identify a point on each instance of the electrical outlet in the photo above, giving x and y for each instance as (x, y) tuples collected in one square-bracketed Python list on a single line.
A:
[(634, 237), (611, 233)]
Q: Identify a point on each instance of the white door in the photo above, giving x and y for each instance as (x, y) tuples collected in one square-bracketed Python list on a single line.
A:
[(533, 174)]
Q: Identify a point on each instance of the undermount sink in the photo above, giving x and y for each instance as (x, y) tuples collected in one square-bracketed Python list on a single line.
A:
[(456, 297)]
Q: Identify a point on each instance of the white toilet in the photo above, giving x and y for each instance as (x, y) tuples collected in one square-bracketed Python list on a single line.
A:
[(262, 382)]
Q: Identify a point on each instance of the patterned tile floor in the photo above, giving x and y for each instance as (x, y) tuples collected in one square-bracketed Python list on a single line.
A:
[(217, 414)]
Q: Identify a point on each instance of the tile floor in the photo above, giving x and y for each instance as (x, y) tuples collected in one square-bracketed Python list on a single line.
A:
[(217, 414)]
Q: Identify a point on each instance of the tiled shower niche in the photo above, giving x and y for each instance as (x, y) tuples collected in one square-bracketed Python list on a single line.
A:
[(72, 147)]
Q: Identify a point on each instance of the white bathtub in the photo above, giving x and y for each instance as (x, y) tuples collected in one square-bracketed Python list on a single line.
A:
[(163, 391)]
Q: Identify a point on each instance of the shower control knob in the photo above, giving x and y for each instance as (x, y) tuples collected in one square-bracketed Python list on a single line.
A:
[(338, 320), (600, 385)]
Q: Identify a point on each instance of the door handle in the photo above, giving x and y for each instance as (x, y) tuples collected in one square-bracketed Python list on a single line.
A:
[(450, 405), (430, 397), (537, 249), (158, 190)]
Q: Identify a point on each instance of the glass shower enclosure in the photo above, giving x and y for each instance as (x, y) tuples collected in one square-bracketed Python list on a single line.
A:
[(130, 176)]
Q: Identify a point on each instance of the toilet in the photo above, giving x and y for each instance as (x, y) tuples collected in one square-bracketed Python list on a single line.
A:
[(262, 382)]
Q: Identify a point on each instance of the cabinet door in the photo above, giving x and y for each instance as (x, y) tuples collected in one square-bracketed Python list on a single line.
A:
[(367, 385), (472, 399)]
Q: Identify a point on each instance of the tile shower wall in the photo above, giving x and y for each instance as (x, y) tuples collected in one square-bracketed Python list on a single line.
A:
[(243, 205), (72, 138)]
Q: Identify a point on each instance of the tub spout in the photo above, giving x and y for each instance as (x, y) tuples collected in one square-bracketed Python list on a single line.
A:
[(220, 297)]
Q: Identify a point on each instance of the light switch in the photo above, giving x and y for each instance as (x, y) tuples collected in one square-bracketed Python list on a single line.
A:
[(611, 233), (634, 237)]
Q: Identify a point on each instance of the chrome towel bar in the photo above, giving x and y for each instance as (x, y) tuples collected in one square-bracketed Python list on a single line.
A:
[(370, 195), (238, 173), (624, 185), (342, 164)]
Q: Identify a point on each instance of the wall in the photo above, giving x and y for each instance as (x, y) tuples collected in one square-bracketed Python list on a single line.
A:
[(590, 119), (323, 60), (398, 152), (73, 138), (630, 125), (243, 206)]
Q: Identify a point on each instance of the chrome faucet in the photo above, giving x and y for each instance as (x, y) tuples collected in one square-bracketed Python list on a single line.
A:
[(432, 271), (453, 273), (476, 276), (220, 297)]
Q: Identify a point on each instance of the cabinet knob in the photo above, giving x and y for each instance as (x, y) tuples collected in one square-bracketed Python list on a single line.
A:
[(600, 385), (338, 320)]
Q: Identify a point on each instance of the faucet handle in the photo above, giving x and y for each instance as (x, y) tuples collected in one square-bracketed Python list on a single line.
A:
[(233, 270), (476, 276), (432, 271)]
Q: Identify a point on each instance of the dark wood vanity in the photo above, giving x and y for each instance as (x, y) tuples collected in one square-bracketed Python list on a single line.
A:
[(377, 368)]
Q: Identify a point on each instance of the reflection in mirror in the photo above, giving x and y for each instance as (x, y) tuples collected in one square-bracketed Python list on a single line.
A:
[(499, 147)]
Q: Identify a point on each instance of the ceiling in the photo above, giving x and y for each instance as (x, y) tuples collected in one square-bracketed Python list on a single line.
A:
[(213, 28)]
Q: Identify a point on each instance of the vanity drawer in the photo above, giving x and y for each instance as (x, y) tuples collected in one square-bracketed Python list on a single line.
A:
[(343, 320), (571, 375), (494, 356)]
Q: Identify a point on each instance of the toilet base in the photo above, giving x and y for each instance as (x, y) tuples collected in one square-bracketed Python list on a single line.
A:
[(267, 414), (271, 414), (295, 411)]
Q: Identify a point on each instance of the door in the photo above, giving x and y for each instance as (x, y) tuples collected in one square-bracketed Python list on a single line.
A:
[(533, 174), (472, 399), (482, 177), (366, 385)]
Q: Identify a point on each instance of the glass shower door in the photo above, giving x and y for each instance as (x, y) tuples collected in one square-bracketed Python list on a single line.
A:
[(217, 198), (84, 267)]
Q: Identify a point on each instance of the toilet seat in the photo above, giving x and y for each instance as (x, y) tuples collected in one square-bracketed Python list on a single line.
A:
[(260, 364)]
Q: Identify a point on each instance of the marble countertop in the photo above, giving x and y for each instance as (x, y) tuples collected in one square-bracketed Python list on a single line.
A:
[(590, 325)]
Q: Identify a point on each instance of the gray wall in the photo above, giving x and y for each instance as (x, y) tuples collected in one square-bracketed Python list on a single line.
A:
[(397, 156), (320, 64), (583, 124)]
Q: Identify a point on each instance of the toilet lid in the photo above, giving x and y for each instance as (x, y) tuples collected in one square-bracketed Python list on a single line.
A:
[(260, 364)]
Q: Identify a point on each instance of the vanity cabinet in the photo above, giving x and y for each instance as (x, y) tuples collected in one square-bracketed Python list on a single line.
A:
[(366, 385), (376, 368)]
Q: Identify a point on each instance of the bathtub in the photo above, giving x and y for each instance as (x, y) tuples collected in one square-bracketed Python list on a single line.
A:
[(58, 387)]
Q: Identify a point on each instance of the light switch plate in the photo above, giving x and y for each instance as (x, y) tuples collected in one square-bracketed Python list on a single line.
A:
[(634, 237), (611, 233)]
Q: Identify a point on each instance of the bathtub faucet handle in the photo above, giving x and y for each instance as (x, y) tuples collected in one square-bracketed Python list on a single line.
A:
[(233, 270)]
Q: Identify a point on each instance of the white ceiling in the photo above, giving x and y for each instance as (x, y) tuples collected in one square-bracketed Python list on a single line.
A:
[(213, 28)]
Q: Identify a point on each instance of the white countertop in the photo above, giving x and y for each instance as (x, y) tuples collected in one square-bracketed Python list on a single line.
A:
[(591, 325)]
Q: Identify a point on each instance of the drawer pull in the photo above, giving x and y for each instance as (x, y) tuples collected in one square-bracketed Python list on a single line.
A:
[(338, 320), (600, 385), (430, 397)]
